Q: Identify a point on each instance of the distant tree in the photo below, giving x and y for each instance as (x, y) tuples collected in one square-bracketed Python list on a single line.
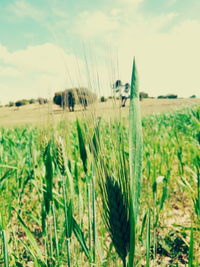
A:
[(193, 96), (171, 96), (32, 101), (161, 97), (70, 97), (21, 102), (143, 95), (11, 104), (103, 99), (42, 101)]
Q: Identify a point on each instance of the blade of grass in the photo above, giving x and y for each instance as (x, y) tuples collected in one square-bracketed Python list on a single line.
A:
[(31, 238), (5, 249), (148, 245), (135, 159)]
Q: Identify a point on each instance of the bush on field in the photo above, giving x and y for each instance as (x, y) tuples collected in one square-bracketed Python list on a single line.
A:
[(70, 97), (144, 95), (11, 104), (103, 99), (169, 96), (22, 102), (193, 96), (32, 101), (161, 97)]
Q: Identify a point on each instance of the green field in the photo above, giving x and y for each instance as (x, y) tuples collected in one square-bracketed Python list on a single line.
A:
[(51, 207)]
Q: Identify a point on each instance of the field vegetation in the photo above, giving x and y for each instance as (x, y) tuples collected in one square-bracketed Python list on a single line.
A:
[(102, 192)]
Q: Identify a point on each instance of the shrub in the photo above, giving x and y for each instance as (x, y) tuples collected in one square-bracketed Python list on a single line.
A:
[(103, 99), (193, 96), (11, 104), (171, 96), (21, 102), (143, 95), (32, 101), (161, 97)]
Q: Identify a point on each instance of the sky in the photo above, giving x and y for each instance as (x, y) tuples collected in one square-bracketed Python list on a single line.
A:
[(50, 45)]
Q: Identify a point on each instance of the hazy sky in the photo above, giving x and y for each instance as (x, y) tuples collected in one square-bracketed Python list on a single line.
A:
[(49, 45)]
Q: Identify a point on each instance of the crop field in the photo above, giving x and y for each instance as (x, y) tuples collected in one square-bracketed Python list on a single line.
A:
[(102, 192), (50, 175), (40, 114), (53, 180)]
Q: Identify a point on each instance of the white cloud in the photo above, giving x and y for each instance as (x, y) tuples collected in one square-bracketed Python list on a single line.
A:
[(40, 58), (115, 12), (59, 12), (37, 70), (9, 71), (95, 24), (22, 8), (168, 62)]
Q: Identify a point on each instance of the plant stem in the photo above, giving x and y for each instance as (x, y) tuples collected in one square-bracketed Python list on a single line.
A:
[(94, 220), (5, 249), (55, 229), (68, 252)]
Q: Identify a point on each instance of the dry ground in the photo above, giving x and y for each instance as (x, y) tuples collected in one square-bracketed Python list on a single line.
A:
[(41, 114)]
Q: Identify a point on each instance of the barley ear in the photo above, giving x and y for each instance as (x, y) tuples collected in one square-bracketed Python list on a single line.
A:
[(116, 216)]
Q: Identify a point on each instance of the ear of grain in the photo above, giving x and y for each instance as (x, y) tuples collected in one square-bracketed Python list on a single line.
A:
[(60, 156), (48, 195), (135, 158), (116, 216), (82, 148), (64, 168)]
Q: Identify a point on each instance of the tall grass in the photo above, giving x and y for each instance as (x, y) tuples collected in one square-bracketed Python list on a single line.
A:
[(79, 199)]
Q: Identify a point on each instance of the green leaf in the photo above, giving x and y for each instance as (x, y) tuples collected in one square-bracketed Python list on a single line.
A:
[(135, 159), (31, 238), (81, 239), (69, 220)]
